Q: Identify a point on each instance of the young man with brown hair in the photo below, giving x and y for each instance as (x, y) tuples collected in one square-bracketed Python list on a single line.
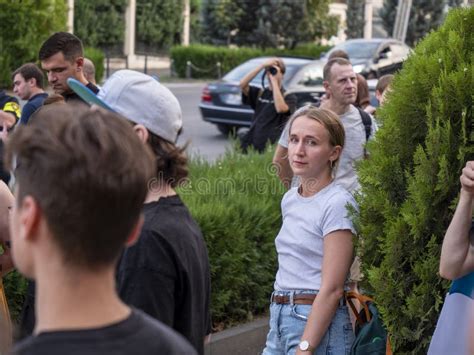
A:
[(28, 85), (62, 57), (382, 87), (166, 273), (76, 208)]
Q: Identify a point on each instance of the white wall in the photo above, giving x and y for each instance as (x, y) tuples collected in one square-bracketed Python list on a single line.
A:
[(338, 9)]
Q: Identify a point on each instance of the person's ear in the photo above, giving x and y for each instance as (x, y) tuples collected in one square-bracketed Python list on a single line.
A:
[(142, 132), (336, 153), (378, 95), (135, 233), (326, 85), (79, 63), (30, 215), (31, 82)]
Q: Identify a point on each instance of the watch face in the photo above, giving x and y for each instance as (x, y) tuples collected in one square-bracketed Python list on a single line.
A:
[(304, 345)]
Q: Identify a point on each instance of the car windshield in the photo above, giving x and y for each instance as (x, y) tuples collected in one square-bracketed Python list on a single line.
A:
[(239, 72), (359, 49)]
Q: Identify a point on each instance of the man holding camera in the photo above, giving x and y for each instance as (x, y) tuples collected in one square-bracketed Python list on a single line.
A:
[(272, 108)]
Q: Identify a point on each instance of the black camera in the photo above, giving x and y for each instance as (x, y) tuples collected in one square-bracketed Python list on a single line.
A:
[(273, 70)]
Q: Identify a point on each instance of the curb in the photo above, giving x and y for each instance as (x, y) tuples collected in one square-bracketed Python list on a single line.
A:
[(243, 339)]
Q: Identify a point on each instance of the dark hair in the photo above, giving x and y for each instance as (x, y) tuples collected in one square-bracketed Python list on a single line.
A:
[(28, 71), (383, 82), (64, 42), (171, 160), (363, 95), (67, 161), (330, 63), (338, 53)]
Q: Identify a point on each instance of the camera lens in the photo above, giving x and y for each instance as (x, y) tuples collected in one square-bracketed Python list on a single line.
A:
[(273, 70)]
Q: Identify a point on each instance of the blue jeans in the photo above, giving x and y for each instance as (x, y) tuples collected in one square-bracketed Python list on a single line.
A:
[(287, 323)]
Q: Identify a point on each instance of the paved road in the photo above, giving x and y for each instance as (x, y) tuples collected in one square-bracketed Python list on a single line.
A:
[(204, 138)]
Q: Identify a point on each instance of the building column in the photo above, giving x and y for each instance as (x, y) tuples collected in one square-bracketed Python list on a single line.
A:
[(368, 13), (129, 40), (402, 19), (187, 22), (70, 16)]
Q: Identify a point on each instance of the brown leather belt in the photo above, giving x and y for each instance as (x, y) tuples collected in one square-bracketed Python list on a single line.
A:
[(305, 298), (297, 299)]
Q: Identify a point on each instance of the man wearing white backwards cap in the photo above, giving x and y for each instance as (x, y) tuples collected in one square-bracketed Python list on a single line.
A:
[(166, 273)]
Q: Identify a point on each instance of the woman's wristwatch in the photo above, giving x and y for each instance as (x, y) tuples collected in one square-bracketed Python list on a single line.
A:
[(304, 346)]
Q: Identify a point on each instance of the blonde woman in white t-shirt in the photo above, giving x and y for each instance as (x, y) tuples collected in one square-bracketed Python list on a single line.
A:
[(308, 314)]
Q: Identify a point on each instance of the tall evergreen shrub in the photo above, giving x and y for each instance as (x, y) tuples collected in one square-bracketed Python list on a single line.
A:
[(410, 184)]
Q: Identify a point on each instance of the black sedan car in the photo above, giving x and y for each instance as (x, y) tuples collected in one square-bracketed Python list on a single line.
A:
[(374, 57), (221, 101)]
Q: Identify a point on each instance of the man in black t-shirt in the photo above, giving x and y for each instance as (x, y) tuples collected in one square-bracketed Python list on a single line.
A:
[(166, 272), (272, 108), (76, 207), (62, 57)]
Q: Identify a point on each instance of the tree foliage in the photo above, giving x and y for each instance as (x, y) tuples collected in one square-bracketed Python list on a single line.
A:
[(100, 23), (24, 26), (266, 23), (159, 23), (355, 18), (411, 181), (425, 15)]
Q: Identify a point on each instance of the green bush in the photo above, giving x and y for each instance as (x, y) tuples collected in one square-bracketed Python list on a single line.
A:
[(15, 291), (236, 202), (206, 57), (97, 57), (24, 26), (411, 181)]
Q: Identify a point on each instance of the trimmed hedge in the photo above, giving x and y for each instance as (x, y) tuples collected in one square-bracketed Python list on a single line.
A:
[(410, 183), (205, 57), (236, 202), (97, 57)]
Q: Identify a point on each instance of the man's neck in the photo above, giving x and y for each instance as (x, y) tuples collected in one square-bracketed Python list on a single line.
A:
[(70, 300), (336, 107), (35, 92), (157, 190)]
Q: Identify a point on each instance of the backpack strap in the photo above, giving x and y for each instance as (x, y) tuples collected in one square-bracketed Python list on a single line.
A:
[(363, 300), (367, 121)]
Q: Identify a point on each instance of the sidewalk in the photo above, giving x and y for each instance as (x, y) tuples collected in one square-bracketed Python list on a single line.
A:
[(159, 66)]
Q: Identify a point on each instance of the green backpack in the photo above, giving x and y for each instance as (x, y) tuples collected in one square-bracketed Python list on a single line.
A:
[(371, 337)]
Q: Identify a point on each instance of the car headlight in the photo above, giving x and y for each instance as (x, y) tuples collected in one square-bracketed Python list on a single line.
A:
[(358, 68)]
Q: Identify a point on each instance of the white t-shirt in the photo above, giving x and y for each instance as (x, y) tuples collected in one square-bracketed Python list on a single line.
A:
[(300, 242), (353, 148)]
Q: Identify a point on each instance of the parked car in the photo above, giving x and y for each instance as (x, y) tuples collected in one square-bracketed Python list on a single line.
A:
[(374, 57), (221, 101)]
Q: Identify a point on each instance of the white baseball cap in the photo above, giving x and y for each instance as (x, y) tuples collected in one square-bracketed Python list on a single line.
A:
[(140, 98)]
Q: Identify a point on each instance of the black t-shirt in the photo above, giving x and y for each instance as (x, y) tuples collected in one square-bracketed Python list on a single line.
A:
[(166, 272), (139, 334), (267, 123), (72, 96)]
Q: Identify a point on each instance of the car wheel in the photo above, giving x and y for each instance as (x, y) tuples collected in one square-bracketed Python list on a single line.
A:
[(226, 129)]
